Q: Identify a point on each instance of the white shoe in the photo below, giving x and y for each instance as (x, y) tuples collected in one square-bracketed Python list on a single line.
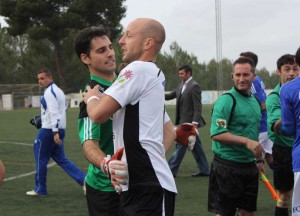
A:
[(33, 193)]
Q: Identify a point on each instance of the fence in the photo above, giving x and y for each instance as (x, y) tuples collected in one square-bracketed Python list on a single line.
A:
[(15, 96), (29, 99)]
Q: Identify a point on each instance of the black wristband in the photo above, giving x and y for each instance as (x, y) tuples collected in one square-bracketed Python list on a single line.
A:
[(259, 161)]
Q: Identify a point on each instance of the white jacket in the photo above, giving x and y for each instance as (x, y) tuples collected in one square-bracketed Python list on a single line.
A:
[(53, 108)]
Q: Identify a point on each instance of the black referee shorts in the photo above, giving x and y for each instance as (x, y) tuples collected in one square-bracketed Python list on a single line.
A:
[(283, 174), (151, 200), (232, 185)]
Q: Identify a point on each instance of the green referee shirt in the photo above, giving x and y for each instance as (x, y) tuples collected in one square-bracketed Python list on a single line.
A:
[(245, 122), (102, 133), (274, 113)]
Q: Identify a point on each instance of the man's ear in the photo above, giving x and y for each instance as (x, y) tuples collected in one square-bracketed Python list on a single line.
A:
[(278, 72), (84, 58), (149, 42), (231, 75)]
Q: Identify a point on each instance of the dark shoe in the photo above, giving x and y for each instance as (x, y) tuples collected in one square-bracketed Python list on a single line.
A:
[(199, 174)]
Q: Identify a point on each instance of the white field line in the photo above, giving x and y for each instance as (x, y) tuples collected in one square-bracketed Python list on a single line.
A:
[(17, 143), (27, 174), (24, 174)]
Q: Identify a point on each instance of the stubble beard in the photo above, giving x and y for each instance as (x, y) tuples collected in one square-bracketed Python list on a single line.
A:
[(130, 57)]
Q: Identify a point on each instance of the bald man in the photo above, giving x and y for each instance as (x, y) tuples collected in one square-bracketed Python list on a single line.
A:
[(136, 101)]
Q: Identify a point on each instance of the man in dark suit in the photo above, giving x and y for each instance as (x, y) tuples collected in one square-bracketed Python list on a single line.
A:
[(188, 110)]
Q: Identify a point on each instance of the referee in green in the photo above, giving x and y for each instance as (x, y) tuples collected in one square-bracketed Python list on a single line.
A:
[(233, 182)]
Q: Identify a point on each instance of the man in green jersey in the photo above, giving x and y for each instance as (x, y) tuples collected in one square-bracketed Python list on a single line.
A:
[(233, 182), (94, 49), (283, 175)]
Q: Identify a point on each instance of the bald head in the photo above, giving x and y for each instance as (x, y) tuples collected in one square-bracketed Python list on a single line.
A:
[(152, 29), (142, 40)]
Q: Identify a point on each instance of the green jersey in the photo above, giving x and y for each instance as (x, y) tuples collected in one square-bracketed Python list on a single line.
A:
[(102, 133), (274, 113), (242, 120)]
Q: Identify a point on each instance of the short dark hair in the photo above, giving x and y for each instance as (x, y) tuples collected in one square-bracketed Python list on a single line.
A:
[(297, 57), (47, 72), (251, 55), (245, 60), (82, 42), (186, 68), (285, 59)]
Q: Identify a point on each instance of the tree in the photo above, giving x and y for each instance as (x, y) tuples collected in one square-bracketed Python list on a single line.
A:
[(8, 47), (170, 63), (22, 57), (167, 64), (54, 20), (227, 70), (209, 77), (267, 79), (274, 80)]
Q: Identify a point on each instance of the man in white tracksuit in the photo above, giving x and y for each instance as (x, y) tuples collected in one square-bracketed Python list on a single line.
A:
[(50, 138)]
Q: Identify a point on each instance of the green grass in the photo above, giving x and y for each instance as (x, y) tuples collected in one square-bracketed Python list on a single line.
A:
[(65, 197)]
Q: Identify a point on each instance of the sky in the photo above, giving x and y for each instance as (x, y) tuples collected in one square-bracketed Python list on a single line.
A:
[(269, 28)]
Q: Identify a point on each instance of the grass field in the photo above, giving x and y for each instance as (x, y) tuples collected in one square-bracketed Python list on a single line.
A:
[(65, 197)]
